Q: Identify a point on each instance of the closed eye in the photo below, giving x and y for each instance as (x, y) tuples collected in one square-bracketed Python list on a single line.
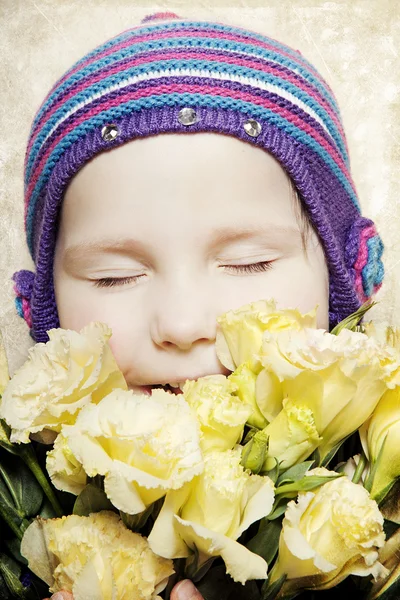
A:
[(259, 267), (112, 281)]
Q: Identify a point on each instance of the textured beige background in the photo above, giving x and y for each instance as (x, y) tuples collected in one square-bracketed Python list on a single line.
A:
[(353, 43)]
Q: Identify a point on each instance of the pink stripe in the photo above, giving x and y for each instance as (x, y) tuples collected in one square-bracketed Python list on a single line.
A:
[(362, 257), (190, 55), (178, 34), (165, 89), (362, 260), (26, 311), (360, 289), (246, 62), (198, 33)]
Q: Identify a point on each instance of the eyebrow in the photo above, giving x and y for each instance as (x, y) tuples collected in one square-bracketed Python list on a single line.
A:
[(221, 236)]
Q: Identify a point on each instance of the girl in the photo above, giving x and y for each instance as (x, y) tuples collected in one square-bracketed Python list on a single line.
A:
[(134, 223)]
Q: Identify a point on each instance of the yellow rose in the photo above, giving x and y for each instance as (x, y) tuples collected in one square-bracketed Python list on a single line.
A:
[(240, 332), (245, 380), (143, 445), (335, 382), (328, 534), (292, 436), (211, 513), (380, 441), (221, 414), (94, 557), (58, 379), (389, 336)]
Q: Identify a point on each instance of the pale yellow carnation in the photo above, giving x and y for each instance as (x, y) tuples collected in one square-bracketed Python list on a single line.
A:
[(95, 558), (143, 445), (211, 513), (221, 414), (328, 534), (380, 440), (288, 353), (332, 383), (240, 331), (58, 379), (245, 380), (66, 472)]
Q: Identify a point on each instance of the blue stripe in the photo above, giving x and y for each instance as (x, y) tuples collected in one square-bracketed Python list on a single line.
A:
[(373, 272), (187, 64), (18, 306), (180, 100), (173, 43), (203, 27)]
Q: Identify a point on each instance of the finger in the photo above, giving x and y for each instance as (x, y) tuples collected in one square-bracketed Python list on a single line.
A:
[(62, 595), (185, 590)]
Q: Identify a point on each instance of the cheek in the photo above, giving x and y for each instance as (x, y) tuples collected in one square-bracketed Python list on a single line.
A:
[(298, 284)]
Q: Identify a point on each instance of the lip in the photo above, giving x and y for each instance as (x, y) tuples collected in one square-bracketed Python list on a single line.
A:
[(147, 388)]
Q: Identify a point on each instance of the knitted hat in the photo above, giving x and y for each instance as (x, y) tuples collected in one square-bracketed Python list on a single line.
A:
[(194, 76)]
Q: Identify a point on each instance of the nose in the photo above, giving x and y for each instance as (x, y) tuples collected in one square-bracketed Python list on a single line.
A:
[(184, 315)]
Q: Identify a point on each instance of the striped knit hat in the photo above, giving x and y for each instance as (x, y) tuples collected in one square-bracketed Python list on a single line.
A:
[(188, 76)]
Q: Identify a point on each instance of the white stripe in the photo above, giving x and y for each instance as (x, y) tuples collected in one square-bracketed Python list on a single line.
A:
[(194, 73)]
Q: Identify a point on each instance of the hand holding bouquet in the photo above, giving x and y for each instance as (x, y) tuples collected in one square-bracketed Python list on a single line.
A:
[(263, 484)]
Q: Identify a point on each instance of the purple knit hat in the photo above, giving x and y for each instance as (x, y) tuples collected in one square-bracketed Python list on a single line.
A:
[(188, 76)]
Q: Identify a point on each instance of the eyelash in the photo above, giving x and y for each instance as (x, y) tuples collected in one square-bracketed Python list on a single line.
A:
[(252, 268)]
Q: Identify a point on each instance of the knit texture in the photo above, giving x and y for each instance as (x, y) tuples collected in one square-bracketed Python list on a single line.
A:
[(140, 80)]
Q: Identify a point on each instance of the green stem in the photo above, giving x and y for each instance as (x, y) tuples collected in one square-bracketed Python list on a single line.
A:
[(28, 456), (10, 488), (360, 468), (5, 514)]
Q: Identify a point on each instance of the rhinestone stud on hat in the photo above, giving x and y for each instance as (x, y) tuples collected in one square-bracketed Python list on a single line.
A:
[(252, 127), (109, 132), (187, 116)]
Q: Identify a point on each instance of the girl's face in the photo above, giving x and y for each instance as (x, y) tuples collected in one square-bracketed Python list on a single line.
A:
[(161, 235)]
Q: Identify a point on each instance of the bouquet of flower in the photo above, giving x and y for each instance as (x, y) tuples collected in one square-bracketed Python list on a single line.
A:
[(276, 481)]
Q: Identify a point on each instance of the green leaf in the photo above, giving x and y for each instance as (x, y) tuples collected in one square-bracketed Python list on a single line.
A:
[(316, 458), (295, 473), (269, 591), (352, 321), (192, 570), (273, 474), (5, 593), (46, 510), (136, 522), (11, 572), (13, 546), (325, 460), (265, 543), (390, 508), (217, 585), (5, 438), (8, 512), (22, 485), (279, 507), (306, 484), (91, 499)]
